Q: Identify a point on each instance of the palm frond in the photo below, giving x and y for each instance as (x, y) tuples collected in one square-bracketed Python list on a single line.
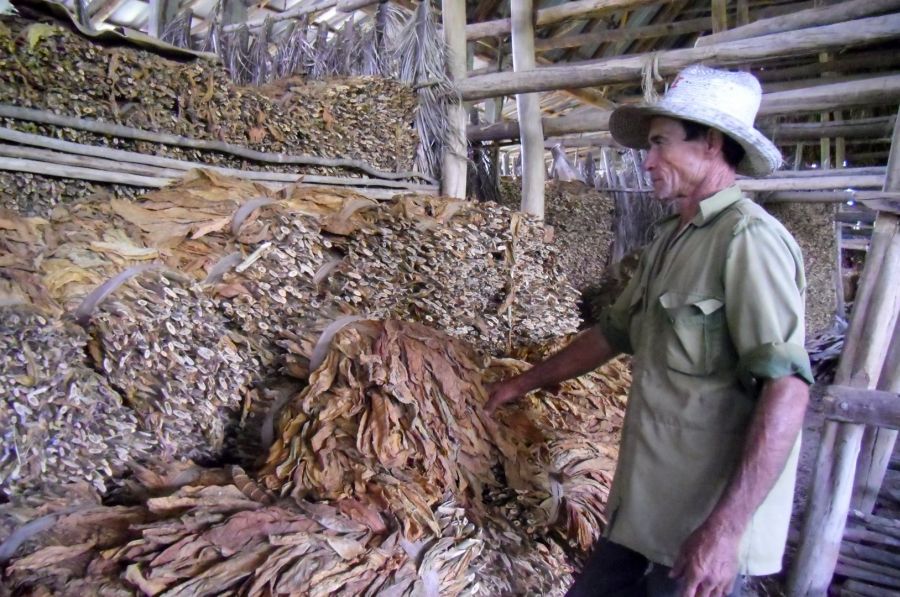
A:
[(178, 31)]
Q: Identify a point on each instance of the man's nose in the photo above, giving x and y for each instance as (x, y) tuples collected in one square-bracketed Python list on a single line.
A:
[(649, 162)]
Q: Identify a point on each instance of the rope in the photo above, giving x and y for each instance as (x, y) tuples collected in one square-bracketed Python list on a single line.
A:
[(649, 76)]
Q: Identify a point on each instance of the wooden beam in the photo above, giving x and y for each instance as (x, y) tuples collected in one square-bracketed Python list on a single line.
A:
[(863, 128), (578, 9), (161, 12), (528, 111), (623, 34), (827, 180), (853, 63), (105, 10), (856, 587), (874, 90), (562, 125), (829, 196), (813, 17), (867, 407), (630, 68), (453, 168)]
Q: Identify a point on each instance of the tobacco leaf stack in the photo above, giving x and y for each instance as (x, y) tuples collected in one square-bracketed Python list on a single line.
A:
[(62, 422), (205, 307), (409, 387), (808, 223), (46, 66), (583, 221)]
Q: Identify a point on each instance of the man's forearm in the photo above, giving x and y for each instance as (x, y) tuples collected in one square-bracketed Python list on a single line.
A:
[(770, 438), (586, 352)]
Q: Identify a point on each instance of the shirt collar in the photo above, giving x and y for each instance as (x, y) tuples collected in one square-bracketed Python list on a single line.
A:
[(712, 206)]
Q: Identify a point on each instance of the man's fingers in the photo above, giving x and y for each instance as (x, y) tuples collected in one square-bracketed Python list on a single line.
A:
[(690, 587), (677, 567)]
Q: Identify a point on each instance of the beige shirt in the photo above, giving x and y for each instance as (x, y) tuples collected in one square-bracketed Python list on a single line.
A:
[(713, 311)]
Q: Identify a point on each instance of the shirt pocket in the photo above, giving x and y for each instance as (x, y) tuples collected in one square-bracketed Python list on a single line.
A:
[(695, 333)]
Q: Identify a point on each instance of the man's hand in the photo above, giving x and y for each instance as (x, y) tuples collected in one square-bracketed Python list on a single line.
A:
[(502, 392), (707, 563)]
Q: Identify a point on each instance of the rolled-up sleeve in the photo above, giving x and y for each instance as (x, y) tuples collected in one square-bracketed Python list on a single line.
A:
[(764, 288)]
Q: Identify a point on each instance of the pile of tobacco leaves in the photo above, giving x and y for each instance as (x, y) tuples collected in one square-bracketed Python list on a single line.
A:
[(386, 478)]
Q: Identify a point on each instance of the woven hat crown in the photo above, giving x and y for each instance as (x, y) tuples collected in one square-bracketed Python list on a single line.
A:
[(720, 99), (736, 94)]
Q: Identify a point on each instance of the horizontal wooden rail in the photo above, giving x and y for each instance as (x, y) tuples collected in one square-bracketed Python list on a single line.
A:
[(867, 407)]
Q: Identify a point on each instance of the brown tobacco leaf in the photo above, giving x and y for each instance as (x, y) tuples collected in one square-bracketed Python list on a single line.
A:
[(394, 415)]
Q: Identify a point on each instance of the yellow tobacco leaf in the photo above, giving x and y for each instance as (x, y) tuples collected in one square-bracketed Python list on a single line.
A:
[(35, 33)]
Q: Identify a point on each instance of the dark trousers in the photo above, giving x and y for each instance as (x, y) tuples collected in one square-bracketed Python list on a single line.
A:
[(613, 570)]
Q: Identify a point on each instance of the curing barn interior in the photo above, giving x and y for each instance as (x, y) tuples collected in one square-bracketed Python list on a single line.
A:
[(379, 297)]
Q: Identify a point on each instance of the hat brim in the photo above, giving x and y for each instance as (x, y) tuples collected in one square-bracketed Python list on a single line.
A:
[(630, 125)]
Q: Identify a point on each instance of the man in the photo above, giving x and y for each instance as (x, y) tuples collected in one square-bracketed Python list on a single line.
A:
[(714, 317)]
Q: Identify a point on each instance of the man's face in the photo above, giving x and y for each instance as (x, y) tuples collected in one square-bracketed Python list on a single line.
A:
[(676, 166)]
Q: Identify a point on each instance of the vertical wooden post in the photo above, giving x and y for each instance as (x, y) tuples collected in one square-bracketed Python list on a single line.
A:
[(825, 142), (878, 444), (743, 12), (453, 166), (529, 110), (840, 302), (719, 11), (862, 363)]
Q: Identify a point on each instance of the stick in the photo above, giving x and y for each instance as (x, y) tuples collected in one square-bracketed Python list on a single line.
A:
[(628, 69), (120, 155), (47, 169), (813, 17), (127, 132)]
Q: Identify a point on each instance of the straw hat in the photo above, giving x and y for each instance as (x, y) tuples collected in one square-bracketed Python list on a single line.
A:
[(723, 100)]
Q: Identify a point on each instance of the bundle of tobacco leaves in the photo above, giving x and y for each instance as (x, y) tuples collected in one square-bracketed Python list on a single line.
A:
[(161, 341), (49, 67), (156, 336), (231, 538), (61, 422), (394, 417), (583, 221), (811, 224), (478, 271), (394, 406)]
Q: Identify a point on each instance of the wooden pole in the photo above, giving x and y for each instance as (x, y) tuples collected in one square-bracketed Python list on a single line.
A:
[(453, 167), (878, 444), (827, 181), (127, 132), (866, 347), (529, 110), (813, 17), (863, 128), (177, 168), (719, 10), (829, 196), (630, 68), (875, 90), (840, 64), (565, 11), (623, 34)]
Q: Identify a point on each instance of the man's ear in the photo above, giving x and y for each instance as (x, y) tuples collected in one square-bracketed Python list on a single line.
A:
[(715, 140)]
